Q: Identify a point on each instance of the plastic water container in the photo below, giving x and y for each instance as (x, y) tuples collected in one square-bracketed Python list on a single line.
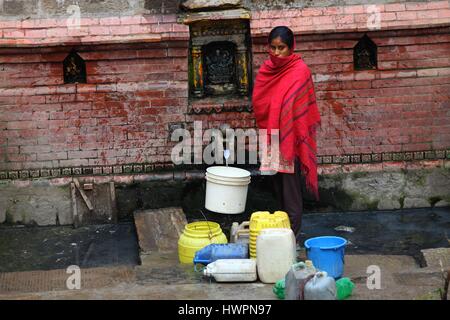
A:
[(262, 220), (278, 289), (240, 233), (320, 287), (276, 253), (327, 254), (344, 288), (297, 274), (226, 189), (232, 270), (196, 236), (214, 252)]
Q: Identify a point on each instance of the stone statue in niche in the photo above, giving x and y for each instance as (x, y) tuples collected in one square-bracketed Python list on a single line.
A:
[(220, 66), (74, 69), (364, 61), (365, 54), (71, 69)]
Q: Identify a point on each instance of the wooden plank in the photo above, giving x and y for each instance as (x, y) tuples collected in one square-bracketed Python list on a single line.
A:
[(75, 217), (85, 198), (112, 192)]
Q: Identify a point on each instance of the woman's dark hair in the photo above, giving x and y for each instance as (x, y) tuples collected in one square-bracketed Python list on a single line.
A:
[(286, 35)]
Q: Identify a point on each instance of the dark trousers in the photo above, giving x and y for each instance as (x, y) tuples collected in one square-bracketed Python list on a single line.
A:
[(288, 191)]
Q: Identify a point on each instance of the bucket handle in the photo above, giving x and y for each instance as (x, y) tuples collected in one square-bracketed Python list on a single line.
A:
[(245, 224), (210, 235)]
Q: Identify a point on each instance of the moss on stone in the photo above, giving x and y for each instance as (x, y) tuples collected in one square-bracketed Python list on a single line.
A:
[(402, 201), (434, 200), (9, 218), (358, 175), (336, 197), (373, 205)]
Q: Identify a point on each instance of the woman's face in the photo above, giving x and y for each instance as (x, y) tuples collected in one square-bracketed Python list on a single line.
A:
[(278, 48)]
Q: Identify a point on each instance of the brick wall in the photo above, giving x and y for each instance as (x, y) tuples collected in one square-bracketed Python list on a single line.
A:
[(121, 116), (136, 90), (404, 106)]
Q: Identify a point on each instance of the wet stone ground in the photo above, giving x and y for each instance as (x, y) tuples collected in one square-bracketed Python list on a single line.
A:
[(401, 232), (47, 248)]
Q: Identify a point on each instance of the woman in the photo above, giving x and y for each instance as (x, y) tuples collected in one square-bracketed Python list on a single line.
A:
[(284, 101)]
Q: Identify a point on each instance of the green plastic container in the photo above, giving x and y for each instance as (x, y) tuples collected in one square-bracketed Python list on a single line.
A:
[(344, 288), (278, 289)]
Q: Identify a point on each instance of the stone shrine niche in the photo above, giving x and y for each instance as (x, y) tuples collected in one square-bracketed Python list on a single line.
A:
[(219, 60), (365, 54), (74, 69)]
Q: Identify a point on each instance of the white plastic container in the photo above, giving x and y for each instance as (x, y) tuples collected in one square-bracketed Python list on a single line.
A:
[(226, 189), (240, 233), (297, 274), (276, 253), (320, 287), (232, 270)]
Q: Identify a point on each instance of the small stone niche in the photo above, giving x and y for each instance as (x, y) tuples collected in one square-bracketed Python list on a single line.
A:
[(74, 69), (365, 54)]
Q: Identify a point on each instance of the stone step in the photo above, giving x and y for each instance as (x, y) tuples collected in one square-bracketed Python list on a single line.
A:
[(438, 257)]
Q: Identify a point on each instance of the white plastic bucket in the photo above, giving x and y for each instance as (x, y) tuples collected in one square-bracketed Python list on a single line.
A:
[(226, 189)]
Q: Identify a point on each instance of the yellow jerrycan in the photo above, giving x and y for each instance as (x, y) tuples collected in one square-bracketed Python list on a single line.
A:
[(262, 220)]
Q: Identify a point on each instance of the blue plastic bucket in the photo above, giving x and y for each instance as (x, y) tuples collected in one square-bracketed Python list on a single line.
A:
[(327, 254)]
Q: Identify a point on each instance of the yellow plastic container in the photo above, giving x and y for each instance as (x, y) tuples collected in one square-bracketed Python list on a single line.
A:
[(262, 220), (196, 236)]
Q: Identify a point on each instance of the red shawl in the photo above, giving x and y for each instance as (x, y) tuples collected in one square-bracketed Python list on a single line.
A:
[(284, 99)]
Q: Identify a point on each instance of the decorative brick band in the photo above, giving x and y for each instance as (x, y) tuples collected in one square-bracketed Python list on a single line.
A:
[(148, 168), (220, 109), (219, 105), (387, 156)]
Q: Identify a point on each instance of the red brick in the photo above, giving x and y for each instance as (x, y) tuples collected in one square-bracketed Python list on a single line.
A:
[(109, 21), (416, 6), (38, 33), (13, 33), (388, 16), (99, 30), (119, 30), (438, 5), (444, 14), (406, 15), (140, 29), (324, 20), (312, 12), (130, 20)]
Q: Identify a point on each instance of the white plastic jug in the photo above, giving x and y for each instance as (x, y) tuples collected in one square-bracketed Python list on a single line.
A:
[(240, 233), (276, 253), (232, 270), (320, 287), (298, 273)]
